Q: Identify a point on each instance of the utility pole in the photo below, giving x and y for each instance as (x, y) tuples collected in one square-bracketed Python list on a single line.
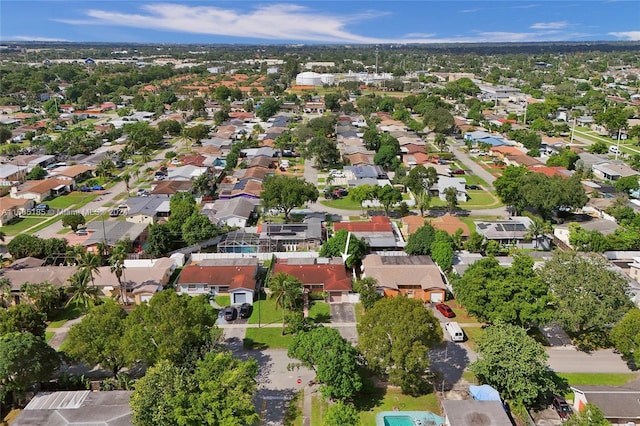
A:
[(618, 146), (376, 61)]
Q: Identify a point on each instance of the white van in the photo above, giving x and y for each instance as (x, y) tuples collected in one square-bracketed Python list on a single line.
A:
[(454, 330), (614, 150)]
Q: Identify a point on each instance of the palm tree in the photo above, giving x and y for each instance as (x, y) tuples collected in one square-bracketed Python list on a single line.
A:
[(126, 178), (90, 263), (116, 262), (537, 229), (5, 292), (81, 292), (287, 292), (105, 167)]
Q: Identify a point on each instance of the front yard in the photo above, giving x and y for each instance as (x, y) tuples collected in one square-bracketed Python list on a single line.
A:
[(21, 224), (266, 338)]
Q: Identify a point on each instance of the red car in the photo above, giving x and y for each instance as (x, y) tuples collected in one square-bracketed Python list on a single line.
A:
[(562, 407), (445, 310)]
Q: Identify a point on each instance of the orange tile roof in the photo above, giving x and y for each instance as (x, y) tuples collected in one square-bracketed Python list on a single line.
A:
[(333, 277), (412, 223), (376, 224), (236, 277), (550, 171), (450, 224)]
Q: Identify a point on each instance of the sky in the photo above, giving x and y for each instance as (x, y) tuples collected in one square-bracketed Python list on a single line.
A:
[(319, 22)]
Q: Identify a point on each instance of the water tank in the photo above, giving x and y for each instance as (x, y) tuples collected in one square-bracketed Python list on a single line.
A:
[(327, 78), (308, 79)]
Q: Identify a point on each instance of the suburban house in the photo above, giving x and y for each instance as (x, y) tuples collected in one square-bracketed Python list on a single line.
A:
[(112, 231), (10, 173), (40, 190), (141, 278), (235, 212), (185, 172), (612, 170), (58, 276), (514, 230), (604, 226), (235, 277), (75, 174), (171, 187), (410, 224), (356, 173), (450, 224), (106, 408), (244, 240), (148, 209), (416, 277), (275, 237), (330, 278), (11, 208), (379, 233), (33, 160), (444, 182), (471, 412), (619, 404)]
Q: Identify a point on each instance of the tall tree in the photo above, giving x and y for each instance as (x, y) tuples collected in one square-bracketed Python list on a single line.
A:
[(590, 415), (287, 293), (81, 292), (387, 196), (97, 338), (341, 414), (419, 243), (395, 336), (24, 361), (625, 335), (367, 287), (287, 192), (508, 187), (514, 363), (451, 197), (336, 245), (22, 318), (515, 295), (116, 265), (588, 296), (169, 327), (218, 391), (333, 359)]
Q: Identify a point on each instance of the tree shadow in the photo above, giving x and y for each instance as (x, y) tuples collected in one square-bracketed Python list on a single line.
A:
[(320, 318), (448, 362), (372, 393)]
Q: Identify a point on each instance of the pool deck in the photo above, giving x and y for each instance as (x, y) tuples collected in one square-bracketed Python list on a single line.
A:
[(420, 418)]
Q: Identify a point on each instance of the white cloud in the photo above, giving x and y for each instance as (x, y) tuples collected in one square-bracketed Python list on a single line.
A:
[(271, 22), (469, 10), (627, 35), (281, 22), (549, 25), (33, 38)]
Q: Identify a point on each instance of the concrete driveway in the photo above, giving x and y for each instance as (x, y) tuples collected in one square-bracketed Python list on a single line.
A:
[(277, 384), (342, 312)]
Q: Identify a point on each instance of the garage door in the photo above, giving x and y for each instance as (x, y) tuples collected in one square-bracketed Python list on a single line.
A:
[(436, 297), (239, 298)]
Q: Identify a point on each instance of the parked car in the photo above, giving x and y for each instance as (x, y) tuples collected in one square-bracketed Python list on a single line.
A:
[(475, 187), (245, 310), (140, 192), (42, 207), (230, 313), (98, 188), (445, 310), (562, 407), (82, 231), (115, 213), (457, 172), (341, 192), (85, 189)]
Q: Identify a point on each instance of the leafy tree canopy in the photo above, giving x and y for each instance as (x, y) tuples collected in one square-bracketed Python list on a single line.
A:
[(395, 336), (335, 246), (333, 359), (513, 363), (287, 192)]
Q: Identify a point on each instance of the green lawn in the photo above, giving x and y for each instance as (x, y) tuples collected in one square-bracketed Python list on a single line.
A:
[(21, 224), (293, 414), (394, 398), (473, 334), (266, 312), (598, 379), (475, 180), (345, 203), (267, 338), (48, 335), (359, 312), (223, 300), (318, 408), (470, 377), (62, 316), (320, 312), (481, 199), (469, 222), (462, 316)]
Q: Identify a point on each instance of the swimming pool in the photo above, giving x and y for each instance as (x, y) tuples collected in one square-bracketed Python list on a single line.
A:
[(398, 421), (408, 418)]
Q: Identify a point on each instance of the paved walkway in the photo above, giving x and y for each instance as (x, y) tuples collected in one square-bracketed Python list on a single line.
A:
[(61, 333)]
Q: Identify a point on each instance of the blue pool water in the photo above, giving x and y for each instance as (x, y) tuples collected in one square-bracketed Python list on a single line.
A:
[(398, 421)]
